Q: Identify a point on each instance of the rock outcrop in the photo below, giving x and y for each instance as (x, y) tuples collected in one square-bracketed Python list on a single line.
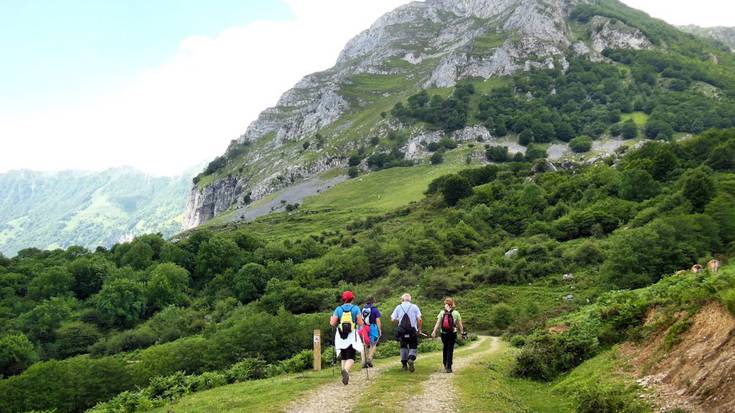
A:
[(434, 43)]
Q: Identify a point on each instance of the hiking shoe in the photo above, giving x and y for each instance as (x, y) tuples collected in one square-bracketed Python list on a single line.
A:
[(411, 368), (405, 365), (370, 362), (345, 377), (448, 370), (365, 365)]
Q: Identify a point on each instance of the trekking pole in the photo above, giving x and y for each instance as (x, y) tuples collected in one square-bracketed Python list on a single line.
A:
[(334, 351)]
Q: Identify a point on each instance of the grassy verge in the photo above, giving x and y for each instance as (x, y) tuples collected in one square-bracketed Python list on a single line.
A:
[(268, 395), (489, 387)]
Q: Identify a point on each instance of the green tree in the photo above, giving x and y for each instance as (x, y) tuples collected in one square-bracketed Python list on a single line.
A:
[(638, 185), (353, 172), (581, 144), (74, 338), (629, 129), (121, 302), (17, 353), (215, 256), (139, 255), (722, 157), (52, 282), (249, 282), (168, 285), (41, 322), (698, 187), (497, 154), (454, 188), (88, 273), (722, 211)]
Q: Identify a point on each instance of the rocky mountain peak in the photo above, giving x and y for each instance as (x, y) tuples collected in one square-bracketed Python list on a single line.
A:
[(435, 43)]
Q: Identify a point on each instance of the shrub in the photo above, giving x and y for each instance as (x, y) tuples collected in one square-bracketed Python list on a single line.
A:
[(169, 387), (609, 399), (125, 402), (246, 369), (454, 188), (437, 158), (497, 154), (16, 354), (207, 380), (581, 144), (727, 298), (353, 172)]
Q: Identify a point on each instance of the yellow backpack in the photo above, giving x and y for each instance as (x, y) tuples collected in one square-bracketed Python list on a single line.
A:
[(346, 323)]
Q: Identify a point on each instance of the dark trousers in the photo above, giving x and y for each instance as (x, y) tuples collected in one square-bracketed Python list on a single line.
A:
[(448, 340)]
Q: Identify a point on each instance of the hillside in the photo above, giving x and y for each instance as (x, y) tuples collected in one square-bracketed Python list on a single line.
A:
[(82, 327), (88, 209), (726, 35), (553, 55)]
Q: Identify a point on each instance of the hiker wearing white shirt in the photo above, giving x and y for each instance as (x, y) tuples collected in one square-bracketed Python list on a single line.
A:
[(408, 318)]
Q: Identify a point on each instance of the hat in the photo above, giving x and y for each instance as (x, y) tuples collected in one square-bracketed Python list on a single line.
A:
[(347, 296)]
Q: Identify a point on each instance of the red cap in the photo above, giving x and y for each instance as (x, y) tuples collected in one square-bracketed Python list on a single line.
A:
[(347, 296)]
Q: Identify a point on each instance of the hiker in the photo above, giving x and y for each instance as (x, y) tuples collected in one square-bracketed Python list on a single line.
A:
[(448, 319), (347, 319), (371, 331), (408, 318)]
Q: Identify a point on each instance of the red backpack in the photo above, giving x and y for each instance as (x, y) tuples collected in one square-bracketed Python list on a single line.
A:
[(447, 322)]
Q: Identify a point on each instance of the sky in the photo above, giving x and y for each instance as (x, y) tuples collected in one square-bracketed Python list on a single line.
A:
[(162, 85)]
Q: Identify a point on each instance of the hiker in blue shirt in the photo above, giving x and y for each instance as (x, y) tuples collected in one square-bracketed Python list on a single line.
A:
[(348, 320), (408, 318), (371, 331)]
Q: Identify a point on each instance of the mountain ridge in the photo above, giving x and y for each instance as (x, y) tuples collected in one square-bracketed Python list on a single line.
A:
[(434, 44)]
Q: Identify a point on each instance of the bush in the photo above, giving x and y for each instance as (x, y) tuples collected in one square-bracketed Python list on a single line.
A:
[(125, 402), (437, 158), (246, 369), (16, 354), (497, 154), (727, 298), (169, 387), (454, 188), (609, 399), (207, 380), (353, 172), (581, 144), (545, 356)]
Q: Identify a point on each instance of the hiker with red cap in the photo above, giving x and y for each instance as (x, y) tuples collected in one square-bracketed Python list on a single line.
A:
[(347, 319)]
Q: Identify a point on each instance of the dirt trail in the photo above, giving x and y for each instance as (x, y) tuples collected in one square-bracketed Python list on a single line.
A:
[(333, 397), (436, 395)]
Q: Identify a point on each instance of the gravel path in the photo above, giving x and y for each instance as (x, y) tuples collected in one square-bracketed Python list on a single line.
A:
[(440, 396), (291, 195), (334, 397)]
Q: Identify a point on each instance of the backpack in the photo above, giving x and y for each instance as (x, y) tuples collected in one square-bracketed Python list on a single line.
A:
[(366, 312), (405, 330), (346, 323), (447, 322)]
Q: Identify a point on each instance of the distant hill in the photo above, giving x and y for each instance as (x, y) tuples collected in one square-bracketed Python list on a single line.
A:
[(725, 35), (49, 210)]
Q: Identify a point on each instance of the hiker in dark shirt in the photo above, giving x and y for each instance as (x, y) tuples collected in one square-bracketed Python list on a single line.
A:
[(448, 320)]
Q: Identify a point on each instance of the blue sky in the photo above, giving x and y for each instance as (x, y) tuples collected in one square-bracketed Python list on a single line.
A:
[(60, 50)]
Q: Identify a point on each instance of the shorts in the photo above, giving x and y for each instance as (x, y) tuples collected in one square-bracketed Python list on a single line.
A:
[(348, 353)]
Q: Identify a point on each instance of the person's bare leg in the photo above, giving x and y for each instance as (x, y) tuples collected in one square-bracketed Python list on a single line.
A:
[(348, 365)]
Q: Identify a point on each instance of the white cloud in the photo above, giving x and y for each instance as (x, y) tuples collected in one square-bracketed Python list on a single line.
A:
[(188, 109), (702, 12)]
